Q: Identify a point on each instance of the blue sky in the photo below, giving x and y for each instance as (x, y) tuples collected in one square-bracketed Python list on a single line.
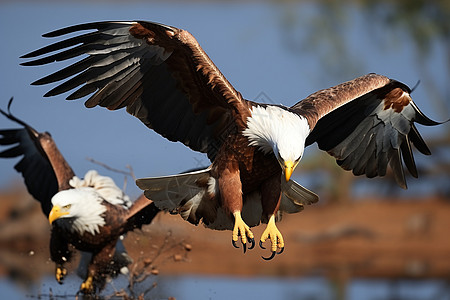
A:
[(244, 40)]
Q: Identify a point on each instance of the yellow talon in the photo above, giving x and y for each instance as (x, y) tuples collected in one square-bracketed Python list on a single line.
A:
[(87, 287), (274, 234), (60, 273), (243, 230)]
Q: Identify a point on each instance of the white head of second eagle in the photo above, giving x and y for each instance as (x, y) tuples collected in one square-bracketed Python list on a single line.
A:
[(83, 203), (83, 206), (276, 130)]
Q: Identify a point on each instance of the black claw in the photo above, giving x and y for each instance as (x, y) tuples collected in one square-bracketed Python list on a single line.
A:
[(271, 256), (281, 251), (261, 245), (252, 243)]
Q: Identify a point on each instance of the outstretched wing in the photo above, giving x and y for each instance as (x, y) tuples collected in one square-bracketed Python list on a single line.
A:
[(366, 124), (40, 176), (159, 73)]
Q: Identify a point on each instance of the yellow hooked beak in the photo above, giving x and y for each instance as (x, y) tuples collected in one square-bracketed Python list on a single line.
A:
[(289, 167), (56, 213)]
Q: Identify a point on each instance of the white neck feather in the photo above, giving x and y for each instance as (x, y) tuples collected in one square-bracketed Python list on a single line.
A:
[(274, 129)]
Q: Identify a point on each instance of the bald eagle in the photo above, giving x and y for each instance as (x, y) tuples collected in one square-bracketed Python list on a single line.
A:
[(161, 75), (90, 213)]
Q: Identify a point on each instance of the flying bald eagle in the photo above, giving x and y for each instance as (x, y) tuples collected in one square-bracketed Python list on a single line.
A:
[(90, 213), (164, 78)]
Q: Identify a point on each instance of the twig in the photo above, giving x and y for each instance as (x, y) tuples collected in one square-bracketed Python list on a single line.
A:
[(129, 167), (130, 173), (111, 168)]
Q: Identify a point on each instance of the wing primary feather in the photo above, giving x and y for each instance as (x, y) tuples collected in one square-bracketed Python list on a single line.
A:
[(68, 71), (417, 141), (114, 87), (371, 166), (363, 158), (95, 73), (395, 161), (383, 160), (114, 93), (7, 136), (12, 152), (408, 157), (102, 76), (60, 56), (81, 39), (350, 143), (88, 26), (422, 119)]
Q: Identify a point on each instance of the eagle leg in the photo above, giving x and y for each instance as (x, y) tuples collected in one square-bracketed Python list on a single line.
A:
[(242, 230), (87, 286), (275, 236), (59, 253), (60, 273), (98, 269)]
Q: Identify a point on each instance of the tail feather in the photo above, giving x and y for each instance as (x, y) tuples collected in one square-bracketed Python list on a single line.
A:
[(194, 196), (182, 193), (296, 196)]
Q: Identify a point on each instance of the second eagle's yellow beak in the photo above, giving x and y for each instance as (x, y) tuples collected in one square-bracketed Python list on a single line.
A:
[(289, 167), (56, 213)]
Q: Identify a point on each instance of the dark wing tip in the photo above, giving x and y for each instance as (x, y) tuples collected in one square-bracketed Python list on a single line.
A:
[(41, 81), (395, 161), (7, 114), (86, 26), (417, 140), (408, 157), (71, 29), (422, 119), (10, 116), (28, 63)]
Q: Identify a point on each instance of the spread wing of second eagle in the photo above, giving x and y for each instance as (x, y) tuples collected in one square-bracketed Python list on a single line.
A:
[(161, 75)]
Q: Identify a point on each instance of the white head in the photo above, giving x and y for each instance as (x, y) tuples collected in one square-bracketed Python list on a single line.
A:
[(277, 130), (82, 206)]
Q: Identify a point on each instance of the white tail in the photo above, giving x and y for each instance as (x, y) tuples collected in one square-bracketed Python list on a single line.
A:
[(195, 197)]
